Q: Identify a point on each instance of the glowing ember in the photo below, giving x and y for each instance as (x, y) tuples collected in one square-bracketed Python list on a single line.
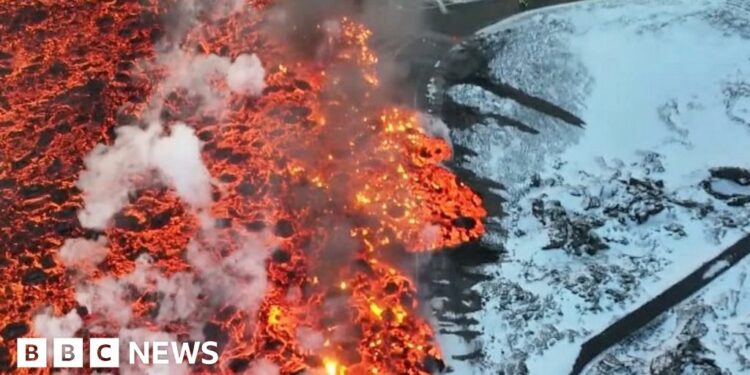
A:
[(333, 368), (345, 184)]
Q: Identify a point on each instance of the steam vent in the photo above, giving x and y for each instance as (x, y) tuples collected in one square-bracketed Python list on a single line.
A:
[(366, 187)]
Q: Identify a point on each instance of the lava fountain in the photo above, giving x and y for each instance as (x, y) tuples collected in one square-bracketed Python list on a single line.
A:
[(288, 254)]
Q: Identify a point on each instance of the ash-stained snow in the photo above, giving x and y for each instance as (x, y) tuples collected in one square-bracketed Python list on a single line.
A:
[(604, 217)]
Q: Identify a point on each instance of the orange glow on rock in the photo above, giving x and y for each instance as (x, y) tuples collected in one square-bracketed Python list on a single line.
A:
[(303, 160)]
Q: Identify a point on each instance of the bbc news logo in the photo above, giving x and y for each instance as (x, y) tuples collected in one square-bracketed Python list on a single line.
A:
[(105, 353)]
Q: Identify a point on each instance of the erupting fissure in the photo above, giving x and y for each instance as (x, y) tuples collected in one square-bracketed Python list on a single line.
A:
[(318, 190)]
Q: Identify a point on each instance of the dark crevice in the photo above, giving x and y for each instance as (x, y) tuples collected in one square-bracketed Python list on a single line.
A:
[(451, 276), (467, 335), (469, 64), (668, 299), (467, 357), (463, 117), (502, 120), (538, 104), (460, 152)]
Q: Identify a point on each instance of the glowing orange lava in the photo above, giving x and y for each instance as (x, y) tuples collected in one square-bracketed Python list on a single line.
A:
[(346, 184)]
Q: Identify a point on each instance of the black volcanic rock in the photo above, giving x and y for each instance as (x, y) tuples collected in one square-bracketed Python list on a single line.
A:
[(14, 330), (34, 276), (570, 232)]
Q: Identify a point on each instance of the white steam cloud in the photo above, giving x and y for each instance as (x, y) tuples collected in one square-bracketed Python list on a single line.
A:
[(435, 127), (246, 75), (310, 339), (195, 73), (83, 255), (166, 154), (185, 14), (141, 335), (262, 367), (107, 298), (110, 171), (48, 326), (177, 157), (238, 280)]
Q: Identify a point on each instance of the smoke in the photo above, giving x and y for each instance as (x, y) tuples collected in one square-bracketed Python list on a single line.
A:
[(111, 171), (46, 325), (196, 73), (396, 25), (435, 127), (177, 157), (262, 367), (167, 154), (83, 255), (174, 153), (187, 14), (245, 75), (140, 335), (190, 298), (238, 280), (107, 298), (310, 339)]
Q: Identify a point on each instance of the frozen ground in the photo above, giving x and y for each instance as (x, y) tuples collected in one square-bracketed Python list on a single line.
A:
[(600, 218)]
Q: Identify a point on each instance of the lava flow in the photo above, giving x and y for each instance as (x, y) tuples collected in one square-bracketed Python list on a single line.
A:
[(344, 183)]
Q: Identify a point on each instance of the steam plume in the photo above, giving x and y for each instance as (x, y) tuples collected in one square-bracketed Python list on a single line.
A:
[(165, 154), (110, 171), (83, 255)]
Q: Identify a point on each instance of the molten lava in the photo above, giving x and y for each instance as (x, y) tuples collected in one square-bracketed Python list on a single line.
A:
[(345, 182)]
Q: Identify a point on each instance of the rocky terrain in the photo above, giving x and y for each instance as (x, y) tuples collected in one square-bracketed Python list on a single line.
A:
[(609, 139)]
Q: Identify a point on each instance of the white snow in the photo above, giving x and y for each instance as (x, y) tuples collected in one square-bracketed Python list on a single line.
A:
[(717, 314), (651, 80), (730, 187), (715, 269)]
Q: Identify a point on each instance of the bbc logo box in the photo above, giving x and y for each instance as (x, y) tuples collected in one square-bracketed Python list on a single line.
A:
[(105, 353), (68, 353)]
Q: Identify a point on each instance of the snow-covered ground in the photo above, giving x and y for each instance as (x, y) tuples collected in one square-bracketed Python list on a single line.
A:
[(705, 335), (602, 218)]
